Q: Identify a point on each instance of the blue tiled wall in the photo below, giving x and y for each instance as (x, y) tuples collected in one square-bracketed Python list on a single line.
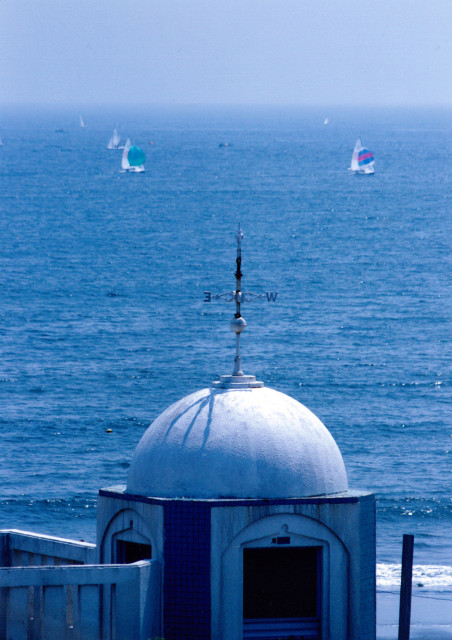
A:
[(368, 564), (186, 589)]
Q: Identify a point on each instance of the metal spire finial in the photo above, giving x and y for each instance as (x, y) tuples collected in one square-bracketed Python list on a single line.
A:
[(238, 380), (238, 324)]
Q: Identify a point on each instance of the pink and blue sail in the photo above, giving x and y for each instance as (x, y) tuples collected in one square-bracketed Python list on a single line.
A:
[(365, 157)]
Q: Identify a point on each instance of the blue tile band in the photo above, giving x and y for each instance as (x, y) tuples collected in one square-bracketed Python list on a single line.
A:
[(186, 581)]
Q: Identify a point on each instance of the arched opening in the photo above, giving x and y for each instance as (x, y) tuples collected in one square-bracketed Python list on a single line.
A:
[(285, 576), (126, 539), (128, 551), (281, 592)]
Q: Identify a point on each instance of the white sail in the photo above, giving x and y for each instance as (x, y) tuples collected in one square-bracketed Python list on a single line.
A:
[(82, 122), (125, 165), (354, 163), (326, 121), (113, 143)]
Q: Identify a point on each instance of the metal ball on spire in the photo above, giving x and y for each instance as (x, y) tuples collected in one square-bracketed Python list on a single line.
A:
[(238, 324)]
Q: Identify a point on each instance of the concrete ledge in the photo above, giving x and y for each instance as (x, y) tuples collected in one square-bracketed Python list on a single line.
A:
[(336, 498)]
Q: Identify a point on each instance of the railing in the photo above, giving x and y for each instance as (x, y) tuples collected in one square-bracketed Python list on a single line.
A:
[(25, 549), (90, 602)]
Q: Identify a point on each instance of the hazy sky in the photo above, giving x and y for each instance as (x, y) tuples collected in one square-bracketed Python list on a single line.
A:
[(226, 52)]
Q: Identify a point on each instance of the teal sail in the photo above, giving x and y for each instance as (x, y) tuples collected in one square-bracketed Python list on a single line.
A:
[(136, 156)]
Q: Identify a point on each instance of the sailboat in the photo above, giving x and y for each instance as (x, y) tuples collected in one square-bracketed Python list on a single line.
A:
[(326, 121), (113, 143), (132, 158), (82, 122), (362, 160)]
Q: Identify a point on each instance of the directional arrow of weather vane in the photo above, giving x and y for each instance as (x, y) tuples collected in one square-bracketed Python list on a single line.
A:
[(238, 323)]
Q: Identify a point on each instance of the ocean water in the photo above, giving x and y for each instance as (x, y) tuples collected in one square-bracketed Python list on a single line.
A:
[(103, 322)]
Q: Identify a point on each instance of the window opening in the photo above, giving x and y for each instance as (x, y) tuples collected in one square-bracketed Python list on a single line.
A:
[(127, 552)]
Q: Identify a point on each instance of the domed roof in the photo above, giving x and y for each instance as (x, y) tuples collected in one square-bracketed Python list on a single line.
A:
[(237, 443)]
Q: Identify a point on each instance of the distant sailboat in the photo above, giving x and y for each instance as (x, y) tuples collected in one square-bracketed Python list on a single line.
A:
[(362, 160), (326, 121), (1, 143), (113, 143), (132, 159), (82, 122)]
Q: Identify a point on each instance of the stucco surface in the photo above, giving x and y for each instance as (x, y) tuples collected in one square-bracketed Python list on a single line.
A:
[(254, 443)]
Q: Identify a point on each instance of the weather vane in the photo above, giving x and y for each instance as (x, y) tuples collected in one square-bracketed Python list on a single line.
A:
[(238, 323)]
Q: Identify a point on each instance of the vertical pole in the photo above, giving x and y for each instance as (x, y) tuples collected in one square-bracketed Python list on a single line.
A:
[(237, 360), (405, 587), (238, 298), (238, 274)]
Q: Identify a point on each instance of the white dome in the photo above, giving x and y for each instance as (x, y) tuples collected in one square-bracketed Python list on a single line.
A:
[(237, 443)]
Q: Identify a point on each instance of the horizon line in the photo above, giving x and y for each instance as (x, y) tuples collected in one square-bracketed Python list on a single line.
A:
[(233, 105)]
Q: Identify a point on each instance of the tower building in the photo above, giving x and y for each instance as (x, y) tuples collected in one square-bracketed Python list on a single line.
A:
[(238, 515)]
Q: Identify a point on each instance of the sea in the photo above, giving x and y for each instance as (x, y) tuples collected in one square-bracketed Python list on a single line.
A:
[(104, 323)]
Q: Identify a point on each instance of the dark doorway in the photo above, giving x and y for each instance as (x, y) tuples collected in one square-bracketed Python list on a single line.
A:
[(127, 552), (281, 583)]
